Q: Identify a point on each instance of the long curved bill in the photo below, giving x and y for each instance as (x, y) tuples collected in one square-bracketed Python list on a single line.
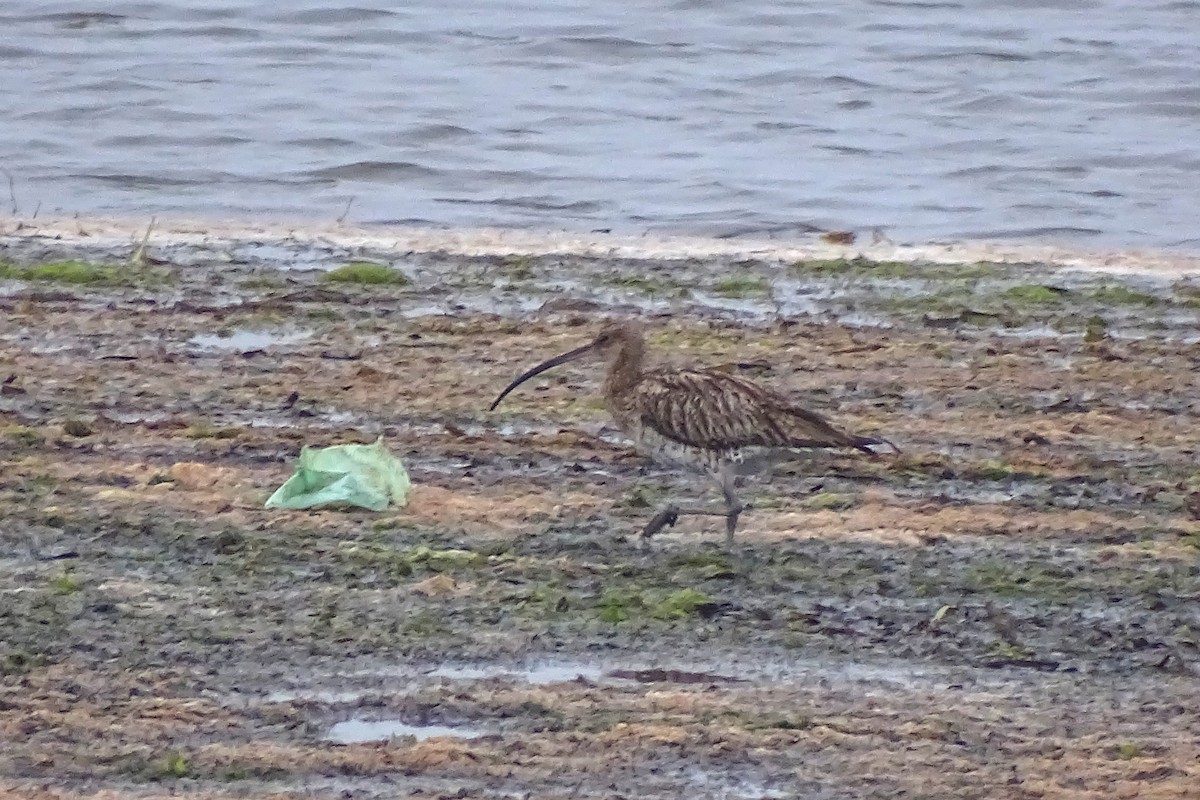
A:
[(539, 369)]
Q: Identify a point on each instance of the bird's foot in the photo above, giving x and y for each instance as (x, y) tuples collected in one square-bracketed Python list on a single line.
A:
[(663, 519), (668, 516)]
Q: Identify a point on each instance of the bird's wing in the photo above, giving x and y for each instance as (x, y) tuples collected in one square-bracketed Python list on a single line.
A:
[(718, 410)]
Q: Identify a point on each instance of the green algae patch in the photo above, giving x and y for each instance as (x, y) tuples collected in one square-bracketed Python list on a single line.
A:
[(262, 283), (170, 766), (21, 662), (679, 604), (836, 267), (1046, 583), (1186, 294), (1096, 329), (201, 429), (622, 604), (86, 274), (895, 270), (616, 605), (1034, 294), (72, 273), (65, 583), (1117, 295), (445, 559), (748, 286), (995, 470), (519, 268), (642, 284), (1129, 750), (641, 495), (22, 436), (700, 567), (831, 501), (367, 273)]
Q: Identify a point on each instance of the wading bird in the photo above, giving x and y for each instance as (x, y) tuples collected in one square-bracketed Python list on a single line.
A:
[(700, 418)]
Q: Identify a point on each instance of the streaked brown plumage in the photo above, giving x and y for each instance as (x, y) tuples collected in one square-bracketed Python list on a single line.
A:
[(705, 418)]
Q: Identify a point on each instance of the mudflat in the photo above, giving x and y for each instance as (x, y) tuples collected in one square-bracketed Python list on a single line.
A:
[(1008, 608)]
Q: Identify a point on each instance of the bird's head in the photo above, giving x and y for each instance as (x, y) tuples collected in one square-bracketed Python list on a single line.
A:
[(615, 338), (614, 341)]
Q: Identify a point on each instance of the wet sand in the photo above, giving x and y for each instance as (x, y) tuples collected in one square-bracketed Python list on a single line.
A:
[(1009, 608)]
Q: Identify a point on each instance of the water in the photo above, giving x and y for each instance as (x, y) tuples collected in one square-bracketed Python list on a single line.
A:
[(537, 674), (247, 340), (1075, 122), (365, 730)]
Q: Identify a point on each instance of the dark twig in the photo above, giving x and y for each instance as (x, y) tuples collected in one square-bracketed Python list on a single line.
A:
[(12, 194)]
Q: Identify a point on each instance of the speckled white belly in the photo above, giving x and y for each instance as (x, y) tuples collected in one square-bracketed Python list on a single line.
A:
[(668, 451)]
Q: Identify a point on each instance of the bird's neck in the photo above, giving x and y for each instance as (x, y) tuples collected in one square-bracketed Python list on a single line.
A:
[(625, 369)]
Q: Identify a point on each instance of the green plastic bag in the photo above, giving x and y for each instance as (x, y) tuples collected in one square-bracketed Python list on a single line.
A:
[(364, 475)]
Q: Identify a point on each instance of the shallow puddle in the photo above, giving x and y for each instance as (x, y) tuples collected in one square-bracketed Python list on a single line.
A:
[(883, 674), (248, 340), (862, 319), (552, 672), (286, 255), (671, 676), (470, 304), (315, 696), (363, 730), (730, 785), (398, 682), (867, 677)]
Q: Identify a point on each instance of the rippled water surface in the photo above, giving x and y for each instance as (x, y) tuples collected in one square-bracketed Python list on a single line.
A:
[(1012, 118)]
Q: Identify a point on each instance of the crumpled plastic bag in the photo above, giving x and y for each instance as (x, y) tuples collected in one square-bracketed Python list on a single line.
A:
[(364, 475)]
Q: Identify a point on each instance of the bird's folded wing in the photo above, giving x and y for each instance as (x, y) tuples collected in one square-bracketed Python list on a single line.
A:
[(717, 410)]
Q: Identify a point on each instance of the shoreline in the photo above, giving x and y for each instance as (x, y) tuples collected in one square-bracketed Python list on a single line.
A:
[(116, 232)]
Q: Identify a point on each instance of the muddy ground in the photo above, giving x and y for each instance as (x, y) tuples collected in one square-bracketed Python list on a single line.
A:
[(1009, 608)]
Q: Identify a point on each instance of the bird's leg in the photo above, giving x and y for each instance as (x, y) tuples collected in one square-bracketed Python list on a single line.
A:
[(733, 506), (725, 476), (670, 514)]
